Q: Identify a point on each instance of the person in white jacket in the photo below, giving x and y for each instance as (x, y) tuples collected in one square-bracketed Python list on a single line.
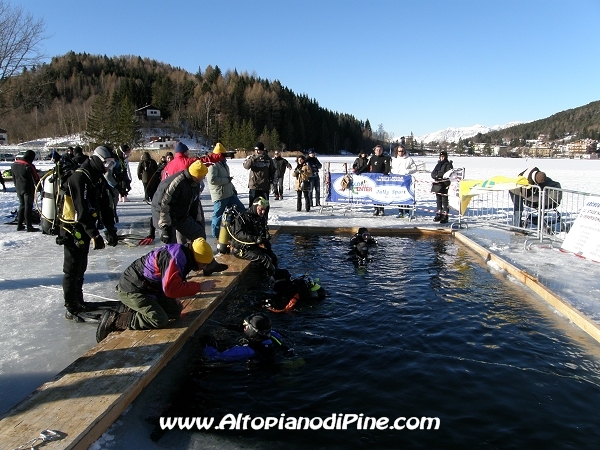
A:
[(403, 164)]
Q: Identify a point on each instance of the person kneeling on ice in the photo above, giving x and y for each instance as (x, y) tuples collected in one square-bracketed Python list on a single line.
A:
[(250, 237), (260, 342), (291, 292), (150, 286), (363, 235)]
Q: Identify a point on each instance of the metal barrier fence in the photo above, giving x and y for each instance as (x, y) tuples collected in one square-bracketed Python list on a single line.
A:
[(546, 214), (497, 208)]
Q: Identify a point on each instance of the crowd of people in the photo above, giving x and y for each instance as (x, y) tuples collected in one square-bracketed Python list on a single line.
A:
[(87, 190)]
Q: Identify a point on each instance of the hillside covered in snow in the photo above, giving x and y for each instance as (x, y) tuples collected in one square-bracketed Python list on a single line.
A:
[(452, 134)]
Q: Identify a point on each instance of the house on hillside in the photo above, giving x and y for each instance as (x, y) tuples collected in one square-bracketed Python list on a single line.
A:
[(581, 147), (161, 142), (3, 137), (148, 112)]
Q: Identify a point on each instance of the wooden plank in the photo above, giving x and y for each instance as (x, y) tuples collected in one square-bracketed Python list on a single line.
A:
[(561, 305), (90, 394), (375, 231)]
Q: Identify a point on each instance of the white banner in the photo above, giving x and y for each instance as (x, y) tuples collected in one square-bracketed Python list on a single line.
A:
[(584, 237)]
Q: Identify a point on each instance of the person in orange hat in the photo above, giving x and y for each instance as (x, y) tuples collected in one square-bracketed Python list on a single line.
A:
[(222, 190), (176, 205)]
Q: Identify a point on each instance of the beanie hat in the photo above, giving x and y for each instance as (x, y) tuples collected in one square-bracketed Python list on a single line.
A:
[(444, 152), (260, 201), (29, 156), (259, 146), (181, 148), (202, 252), (219, 148), (197, 169), (539, 177)]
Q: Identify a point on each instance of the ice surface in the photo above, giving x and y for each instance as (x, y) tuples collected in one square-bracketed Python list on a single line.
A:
[(36, 342)]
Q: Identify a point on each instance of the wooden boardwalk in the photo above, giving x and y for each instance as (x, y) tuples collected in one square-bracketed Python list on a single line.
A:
[(91, 393)]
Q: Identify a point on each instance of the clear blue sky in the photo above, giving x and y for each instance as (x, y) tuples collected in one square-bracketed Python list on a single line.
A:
[(412, 65)]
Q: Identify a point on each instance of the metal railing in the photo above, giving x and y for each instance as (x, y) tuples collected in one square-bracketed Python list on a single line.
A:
[(543, 214)]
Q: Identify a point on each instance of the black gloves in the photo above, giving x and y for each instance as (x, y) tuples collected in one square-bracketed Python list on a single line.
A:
[(260, 241), (165, 235), (111, 238), (97, 242), (218, 267)]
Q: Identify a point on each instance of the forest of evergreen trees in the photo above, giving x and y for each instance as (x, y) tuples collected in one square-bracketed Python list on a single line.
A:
[(98, 95), (582, 122)]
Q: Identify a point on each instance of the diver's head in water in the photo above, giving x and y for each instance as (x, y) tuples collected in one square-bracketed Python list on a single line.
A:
[(257, 327)]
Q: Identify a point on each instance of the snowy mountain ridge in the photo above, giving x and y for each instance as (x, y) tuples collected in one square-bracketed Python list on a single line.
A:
[(452, 134)]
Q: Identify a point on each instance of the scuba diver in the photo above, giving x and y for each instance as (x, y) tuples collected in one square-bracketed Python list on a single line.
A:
[(250, 237), (260, 342), (291, 292), (360, 242), (359, 254), (363, 235)]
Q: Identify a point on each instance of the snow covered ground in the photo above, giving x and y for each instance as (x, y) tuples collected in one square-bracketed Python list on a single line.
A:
[(36, 342)]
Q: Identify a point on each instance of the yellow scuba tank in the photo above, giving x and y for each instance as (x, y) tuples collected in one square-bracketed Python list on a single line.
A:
[(223, 242)]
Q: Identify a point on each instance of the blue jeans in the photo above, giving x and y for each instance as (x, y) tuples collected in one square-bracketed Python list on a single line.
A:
[(219, 208)]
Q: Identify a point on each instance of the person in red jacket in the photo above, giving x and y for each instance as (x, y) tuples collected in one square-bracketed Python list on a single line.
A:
[(150, 286), (180, 162)]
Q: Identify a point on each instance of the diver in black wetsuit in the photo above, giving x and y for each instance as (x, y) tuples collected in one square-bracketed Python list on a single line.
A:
[(363, 235), (260, 342), (292, 292)]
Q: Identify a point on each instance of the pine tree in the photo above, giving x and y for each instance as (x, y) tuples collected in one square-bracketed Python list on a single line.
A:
[(100, 127), (127, 125), (275, 139)]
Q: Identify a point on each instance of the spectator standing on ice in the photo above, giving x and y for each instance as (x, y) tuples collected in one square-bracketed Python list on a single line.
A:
[(361, 164), (78, 156), (379, 163), (147, 167), (25, 177), (403, 164), (262, 173), (121, 172), (440, 186), (179, 162), (222, 190), (302, 173), (315, 180), (281, 164)]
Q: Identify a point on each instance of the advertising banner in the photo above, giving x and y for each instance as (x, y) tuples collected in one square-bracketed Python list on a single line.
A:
[(371, 189), (583, 238)]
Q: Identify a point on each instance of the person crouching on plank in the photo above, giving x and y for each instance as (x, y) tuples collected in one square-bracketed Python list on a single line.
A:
[(150, 286)]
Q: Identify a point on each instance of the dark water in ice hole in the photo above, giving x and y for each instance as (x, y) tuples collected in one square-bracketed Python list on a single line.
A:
[(426, 330)]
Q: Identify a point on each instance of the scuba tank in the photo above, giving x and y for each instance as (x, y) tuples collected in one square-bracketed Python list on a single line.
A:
[(224, 236), (48, 208), (316, 291), (48, 205)]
